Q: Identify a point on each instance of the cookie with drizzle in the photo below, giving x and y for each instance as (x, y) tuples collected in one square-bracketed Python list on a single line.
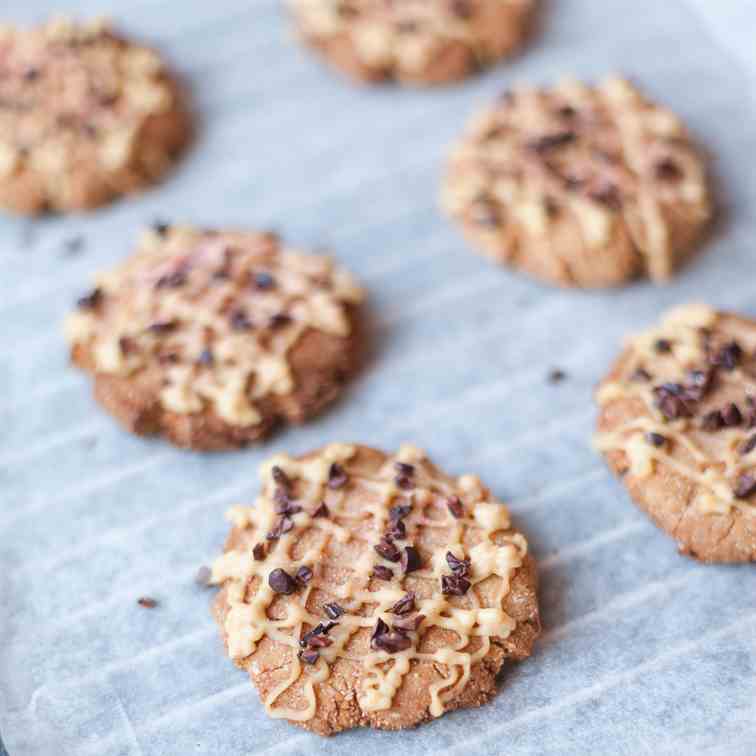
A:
[(577, 185), (367, 589), (677, 421)]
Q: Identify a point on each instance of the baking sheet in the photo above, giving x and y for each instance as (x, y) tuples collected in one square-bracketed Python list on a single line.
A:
[(643, 651)]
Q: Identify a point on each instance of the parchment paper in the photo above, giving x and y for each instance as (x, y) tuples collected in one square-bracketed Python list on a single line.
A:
[(643, 651)]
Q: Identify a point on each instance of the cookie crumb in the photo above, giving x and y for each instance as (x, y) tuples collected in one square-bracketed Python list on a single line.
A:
[(556, 375), (203, 576), (146, 602)]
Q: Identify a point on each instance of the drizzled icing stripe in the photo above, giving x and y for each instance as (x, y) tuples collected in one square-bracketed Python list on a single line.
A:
[(714, 460), (359, 511)]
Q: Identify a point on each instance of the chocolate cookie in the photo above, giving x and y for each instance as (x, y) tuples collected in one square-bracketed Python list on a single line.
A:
[(413, 41), (678, 422), (85, 116), (211, 337), (579, 186), (364, 589)]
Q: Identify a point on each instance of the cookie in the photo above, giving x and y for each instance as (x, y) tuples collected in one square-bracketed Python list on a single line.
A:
[(365, 589), (579, 186), (85, 116), (677, 421), (211, 337), (419, 42)]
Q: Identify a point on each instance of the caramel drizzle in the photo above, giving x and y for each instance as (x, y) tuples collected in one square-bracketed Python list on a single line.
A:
[(715, 475), (247, 621), (188, 301)]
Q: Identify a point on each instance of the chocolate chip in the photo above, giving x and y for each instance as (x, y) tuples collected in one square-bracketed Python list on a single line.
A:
[(392, 642), (655, 439), (745, 486), (258, 551), (90, 301), (749, 445), (667, 170), (284, 505), (409, 623), (280, 477), (397, 531), (284, 525), (337, 477), (309, 656), (321, 629), (206, 357), (712, 421), (404, 482), (264, 281), (663, 346), (303, 575), (404, 476), (73, 245), (404, 469), (381, 628), (387, 550), (410, 559), (160, 227), (281, 582), (485, 213), (556, 375), (640, 375), (333, 611), (461, 8), (147, 602), (672, 401), (454, 585), (203, 576), (382, 573), (552, 141), (163, 326), (399, 512), (171, 280), (567, 112), (731, 415), (699, 382), (458, 566), (319, 641), (31, 74), (404, 606), (729, 356), (279, 320), (240, 321), (322, 510), (606, 194), (455, 507)]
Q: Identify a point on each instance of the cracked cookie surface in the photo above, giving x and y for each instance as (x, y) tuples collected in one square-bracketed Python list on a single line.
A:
[(85, 116), (579, 186), (677, 421), (415, 41), (212, 337), (367, 589)]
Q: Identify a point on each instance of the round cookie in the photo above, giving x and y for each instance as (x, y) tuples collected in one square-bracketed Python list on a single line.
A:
[(579, 186), (677, 422), (416, 42), (85, 116), (364, 589), (210, 338)]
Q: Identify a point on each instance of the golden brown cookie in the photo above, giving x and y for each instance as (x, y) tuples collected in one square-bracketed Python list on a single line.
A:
[(211, 337), (364, 589), (85, 116), (416, 42), (579, 186), (677, 422)]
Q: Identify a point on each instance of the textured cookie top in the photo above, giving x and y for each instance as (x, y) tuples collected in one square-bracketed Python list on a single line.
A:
[(682, 399), (574, 166), (397, 38), (376, 571), (75, 97), (216, 314)]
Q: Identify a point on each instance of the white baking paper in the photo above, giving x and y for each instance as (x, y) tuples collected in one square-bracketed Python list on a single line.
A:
[(643, 650)]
